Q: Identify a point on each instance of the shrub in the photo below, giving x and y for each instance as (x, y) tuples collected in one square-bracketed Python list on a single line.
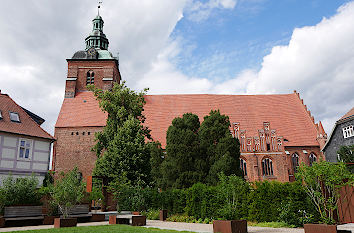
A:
[(20, 191), (68, 191), (322, 182), (234, 192)]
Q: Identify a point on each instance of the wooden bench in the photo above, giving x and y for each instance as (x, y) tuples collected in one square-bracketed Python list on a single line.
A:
[(82, 213), (22, 215)]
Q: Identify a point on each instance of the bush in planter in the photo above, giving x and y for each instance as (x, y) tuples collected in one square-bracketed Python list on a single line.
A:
[(234, 191), (322, 182), (68, 191), (20, 191)]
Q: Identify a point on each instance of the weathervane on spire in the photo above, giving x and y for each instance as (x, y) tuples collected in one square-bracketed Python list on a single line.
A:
[(99, 6)]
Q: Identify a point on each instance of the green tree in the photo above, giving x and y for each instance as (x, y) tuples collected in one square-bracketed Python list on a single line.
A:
[(67, 191), (322, 182), (156, 159), (121, 146), (219, 149), (182, 146), (346, 155)]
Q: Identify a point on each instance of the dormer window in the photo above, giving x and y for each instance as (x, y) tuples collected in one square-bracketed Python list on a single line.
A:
[(14, 117), (348, 131)]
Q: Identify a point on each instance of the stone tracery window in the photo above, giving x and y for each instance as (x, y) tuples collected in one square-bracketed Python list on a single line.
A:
[(267, 167), (243, 166), (312, 158)]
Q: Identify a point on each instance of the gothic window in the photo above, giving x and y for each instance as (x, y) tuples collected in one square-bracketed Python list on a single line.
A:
[(312, 158), (267, 167), (295, 161), (243, 166), (90, 77), (273, 140), (348, 131)]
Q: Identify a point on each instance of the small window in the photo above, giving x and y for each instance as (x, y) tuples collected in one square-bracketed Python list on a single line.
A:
[(90, 77), (25, 149), (312, 158), (14, 117), (243, 167), (0, 115), (348, 131)]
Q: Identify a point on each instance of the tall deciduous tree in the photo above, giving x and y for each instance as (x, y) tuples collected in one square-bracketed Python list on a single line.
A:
[(121, 146)]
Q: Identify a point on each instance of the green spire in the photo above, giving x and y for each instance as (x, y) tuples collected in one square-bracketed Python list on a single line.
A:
[(97, 38)]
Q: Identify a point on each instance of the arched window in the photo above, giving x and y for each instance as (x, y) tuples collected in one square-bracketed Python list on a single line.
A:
[(267, 167), (90, 77), (312, 158), (243, 167), (295, 161)]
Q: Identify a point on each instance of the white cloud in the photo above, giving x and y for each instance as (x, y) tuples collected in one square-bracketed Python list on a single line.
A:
[(199, 11), (318, 62)]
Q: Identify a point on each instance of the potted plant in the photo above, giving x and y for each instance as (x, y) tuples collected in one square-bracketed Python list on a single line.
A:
[(67, 191), (234, 190), (96, 198), (322, 182)]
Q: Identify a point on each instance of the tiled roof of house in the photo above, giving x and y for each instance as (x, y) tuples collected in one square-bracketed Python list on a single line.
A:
[(348, 114), (27, 126), (286, 113)]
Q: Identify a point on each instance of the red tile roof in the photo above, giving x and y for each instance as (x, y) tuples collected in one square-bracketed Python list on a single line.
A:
[(348, 114), (285, 112), (27, 126)]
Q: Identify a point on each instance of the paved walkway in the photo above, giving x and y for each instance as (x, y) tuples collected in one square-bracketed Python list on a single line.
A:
[(180, 226)]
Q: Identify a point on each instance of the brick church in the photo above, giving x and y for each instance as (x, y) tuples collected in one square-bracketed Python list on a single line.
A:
[(276, 132)]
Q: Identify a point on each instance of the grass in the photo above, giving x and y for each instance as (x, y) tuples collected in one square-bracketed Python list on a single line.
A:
[(103, 229), (270, 224)]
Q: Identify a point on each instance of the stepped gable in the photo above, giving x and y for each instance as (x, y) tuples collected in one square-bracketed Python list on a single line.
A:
[(27, 126), (285, 113)]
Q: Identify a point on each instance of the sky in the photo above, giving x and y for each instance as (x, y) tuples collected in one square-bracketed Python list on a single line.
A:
[(186, 46)]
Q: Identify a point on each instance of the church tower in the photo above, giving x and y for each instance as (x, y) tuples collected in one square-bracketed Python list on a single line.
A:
[(94, 65), (80, 116)]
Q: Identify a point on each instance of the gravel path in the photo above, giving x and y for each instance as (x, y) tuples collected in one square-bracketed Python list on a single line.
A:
[(180, 226), (198, 227)]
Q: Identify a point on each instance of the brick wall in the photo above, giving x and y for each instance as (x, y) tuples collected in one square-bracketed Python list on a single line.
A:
[(73, 148)]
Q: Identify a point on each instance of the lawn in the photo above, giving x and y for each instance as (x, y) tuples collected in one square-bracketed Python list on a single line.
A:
[(104, 229)]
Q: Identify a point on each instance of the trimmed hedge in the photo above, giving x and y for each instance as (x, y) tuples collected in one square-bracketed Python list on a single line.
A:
[(232, 198)]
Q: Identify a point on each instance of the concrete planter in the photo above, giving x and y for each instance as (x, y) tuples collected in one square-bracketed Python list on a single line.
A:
[(65, 222), (49, 220), (230, 226), (163, 215)]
